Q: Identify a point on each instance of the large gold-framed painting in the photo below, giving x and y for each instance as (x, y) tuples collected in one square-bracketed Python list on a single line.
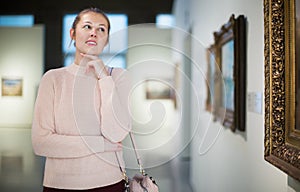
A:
[(282, 85)]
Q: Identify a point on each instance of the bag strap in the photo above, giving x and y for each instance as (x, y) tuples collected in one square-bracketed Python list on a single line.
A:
[(139, 162), (110, 69), (123, 171), (142, 171)]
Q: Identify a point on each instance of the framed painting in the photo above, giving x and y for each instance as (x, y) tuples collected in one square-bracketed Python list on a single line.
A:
[(12, 86), (282, 85), (158, 89), (211, 70), (230, 43)]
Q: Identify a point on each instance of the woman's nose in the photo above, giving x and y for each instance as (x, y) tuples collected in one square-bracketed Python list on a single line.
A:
[(93, 33)]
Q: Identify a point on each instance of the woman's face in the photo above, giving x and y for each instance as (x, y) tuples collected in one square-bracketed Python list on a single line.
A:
[(91, 33)]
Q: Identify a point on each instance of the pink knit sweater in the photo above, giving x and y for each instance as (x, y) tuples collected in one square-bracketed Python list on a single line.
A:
[(73, 114)]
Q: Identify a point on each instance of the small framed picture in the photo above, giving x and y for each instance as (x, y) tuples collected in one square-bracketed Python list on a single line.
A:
[(157, 89), (12, 86)]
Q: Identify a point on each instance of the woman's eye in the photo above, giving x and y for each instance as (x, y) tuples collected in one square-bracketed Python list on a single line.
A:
[(102, 29), (86, 27)]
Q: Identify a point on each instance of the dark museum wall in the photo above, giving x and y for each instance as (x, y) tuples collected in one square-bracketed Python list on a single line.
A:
[(50, 14)]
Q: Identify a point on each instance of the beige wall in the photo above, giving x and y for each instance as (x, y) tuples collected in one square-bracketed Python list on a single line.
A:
[(155, 122), (222, 161), (21, 55)]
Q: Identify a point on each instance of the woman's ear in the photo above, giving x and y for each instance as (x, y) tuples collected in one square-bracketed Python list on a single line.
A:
[(107, 41), (72, 34)]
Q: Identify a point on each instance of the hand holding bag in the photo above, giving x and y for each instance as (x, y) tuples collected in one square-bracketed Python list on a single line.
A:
[(141, 182)]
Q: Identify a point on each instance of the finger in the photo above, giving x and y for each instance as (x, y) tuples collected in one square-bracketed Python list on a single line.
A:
[(94, 61), (90, 66), (92, 57)]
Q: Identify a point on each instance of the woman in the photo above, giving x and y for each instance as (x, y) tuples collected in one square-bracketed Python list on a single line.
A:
[(81, 114)]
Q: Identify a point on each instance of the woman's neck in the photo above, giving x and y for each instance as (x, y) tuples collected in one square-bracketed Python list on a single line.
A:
[(78, 58)]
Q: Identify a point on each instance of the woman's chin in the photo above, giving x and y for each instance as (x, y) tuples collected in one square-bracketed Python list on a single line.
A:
[(94, 51)]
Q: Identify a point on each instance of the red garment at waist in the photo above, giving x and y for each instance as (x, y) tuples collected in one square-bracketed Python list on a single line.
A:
[(118, 187)]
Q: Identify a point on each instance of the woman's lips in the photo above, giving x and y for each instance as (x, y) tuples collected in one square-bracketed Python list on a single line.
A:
[(91, 43)]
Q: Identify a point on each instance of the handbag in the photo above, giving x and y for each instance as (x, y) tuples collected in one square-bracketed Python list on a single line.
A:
[(140, 182)]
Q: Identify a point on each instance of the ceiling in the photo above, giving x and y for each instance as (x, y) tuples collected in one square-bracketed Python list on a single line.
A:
[(138, 11)]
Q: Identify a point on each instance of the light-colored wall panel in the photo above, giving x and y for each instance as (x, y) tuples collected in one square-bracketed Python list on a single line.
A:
[(21, 55)]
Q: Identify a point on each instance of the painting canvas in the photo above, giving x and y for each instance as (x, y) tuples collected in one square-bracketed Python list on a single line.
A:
[(211, 71), (12, 86), (156, 89), (227, 72)]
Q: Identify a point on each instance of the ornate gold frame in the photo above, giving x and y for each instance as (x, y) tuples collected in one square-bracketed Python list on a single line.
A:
[(282, 140)]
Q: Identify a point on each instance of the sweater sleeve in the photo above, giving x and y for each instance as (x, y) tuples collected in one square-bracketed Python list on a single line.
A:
[(115, 115), (45, 140)]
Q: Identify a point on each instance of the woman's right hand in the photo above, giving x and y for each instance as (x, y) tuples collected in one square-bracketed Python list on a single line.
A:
[(96, 65), (111, 147)]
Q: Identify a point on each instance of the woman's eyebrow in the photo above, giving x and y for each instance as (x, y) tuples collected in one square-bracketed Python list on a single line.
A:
[(87, 22), (101, 24)]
